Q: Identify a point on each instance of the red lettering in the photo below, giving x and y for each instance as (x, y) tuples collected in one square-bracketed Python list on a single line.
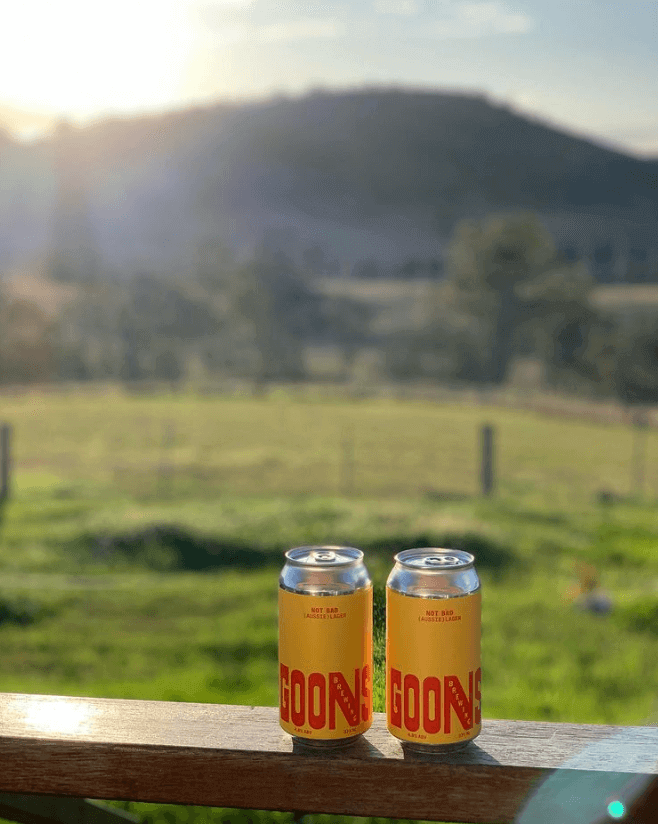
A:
[(340, 694), (305, 699), (394, 696), (316, 681), (297, 698), (431, 704), (366, 705), (411, 688), (454, 697), (431, 708), (284, 693), (477, 709)]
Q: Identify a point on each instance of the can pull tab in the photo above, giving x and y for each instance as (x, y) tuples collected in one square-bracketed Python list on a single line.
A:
[(325, 556), (442, 560)]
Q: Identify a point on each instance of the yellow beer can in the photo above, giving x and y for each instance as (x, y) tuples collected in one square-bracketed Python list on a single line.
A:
[(433, 672), (325, 645)]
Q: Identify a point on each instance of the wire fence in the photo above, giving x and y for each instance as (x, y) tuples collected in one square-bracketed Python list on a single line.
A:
[(449, 447)]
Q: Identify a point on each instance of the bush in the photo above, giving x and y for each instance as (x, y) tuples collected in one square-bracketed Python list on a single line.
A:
[(19, 611)]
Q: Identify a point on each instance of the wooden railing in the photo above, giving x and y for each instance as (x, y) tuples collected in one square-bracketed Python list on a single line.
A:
[(57, 751)]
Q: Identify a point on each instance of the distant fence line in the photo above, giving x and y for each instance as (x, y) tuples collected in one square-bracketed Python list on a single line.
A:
[(165, 470), (165, 474), (542, 401)]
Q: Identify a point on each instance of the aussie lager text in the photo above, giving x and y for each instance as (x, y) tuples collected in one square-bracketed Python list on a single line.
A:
[(433, 672), (325, 645)]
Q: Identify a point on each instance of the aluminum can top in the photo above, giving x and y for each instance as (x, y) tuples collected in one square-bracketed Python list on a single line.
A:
[(433, 572), (324, 556), (324, 570), (432, 559)]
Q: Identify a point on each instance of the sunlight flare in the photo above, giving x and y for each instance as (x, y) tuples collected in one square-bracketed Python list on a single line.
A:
[(58, 716), (74, 57)]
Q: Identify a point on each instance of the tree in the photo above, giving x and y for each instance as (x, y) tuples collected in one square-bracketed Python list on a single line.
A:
[(636, 371), (167, 366), (317, 263), (506, 276), (214, 264), (26, 348), (636, 385), (280, 309)]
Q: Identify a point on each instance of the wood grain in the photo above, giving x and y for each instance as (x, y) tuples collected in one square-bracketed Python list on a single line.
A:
[(234, 756)]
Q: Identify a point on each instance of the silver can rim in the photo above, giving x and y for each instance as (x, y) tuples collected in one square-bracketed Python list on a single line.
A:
[(448, 560), (325, 556)]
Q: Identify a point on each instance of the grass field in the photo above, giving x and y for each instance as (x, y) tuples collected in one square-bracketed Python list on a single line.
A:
[(189, 446), (140, 550)]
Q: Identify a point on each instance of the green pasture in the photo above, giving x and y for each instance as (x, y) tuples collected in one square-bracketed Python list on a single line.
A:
[(140, 550), (182, 445)]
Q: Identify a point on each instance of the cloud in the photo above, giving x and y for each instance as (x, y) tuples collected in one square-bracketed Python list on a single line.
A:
[(226, 4), (480, 19), (401, 8), (232, 21), (304, 29)]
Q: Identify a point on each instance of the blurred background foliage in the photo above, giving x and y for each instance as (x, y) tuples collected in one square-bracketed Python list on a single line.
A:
[(374, 235), (507, 298)]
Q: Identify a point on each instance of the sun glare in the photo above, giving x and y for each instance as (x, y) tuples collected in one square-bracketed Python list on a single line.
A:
[(77, 58), (58, 716)]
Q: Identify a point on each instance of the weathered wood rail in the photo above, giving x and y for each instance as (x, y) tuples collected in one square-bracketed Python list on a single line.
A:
[(54, 749)]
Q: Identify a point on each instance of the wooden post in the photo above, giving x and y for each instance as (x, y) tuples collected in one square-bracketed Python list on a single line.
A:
[(165, 472), (348, 461), (639, 458), (5, 461), (487, 469)]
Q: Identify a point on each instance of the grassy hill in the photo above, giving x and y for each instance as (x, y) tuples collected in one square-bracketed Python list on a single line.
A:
[(164, 586), (381, 173)]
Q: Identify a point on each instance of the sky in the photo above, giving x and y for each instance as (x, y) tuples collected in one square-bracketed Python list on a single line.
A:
[(586, 66)]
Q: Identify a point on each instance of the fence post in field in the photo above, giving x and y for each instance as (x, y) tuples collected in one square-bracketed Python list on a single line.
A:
[(5, 461), (639, 459), (347, 466), (487, 468), (165, 472)]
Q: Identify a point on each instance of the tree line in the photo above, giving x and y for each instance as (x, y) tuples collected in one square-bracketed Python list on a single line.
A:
[(506, 292)]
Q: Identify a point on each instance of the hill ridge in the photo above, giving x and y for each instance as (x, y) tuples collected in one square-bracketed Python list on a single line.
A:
[(373, 172)]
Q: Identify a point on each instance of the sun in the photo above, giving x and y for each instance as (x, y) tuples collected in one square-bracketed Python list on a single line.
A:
[(78, 58)]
